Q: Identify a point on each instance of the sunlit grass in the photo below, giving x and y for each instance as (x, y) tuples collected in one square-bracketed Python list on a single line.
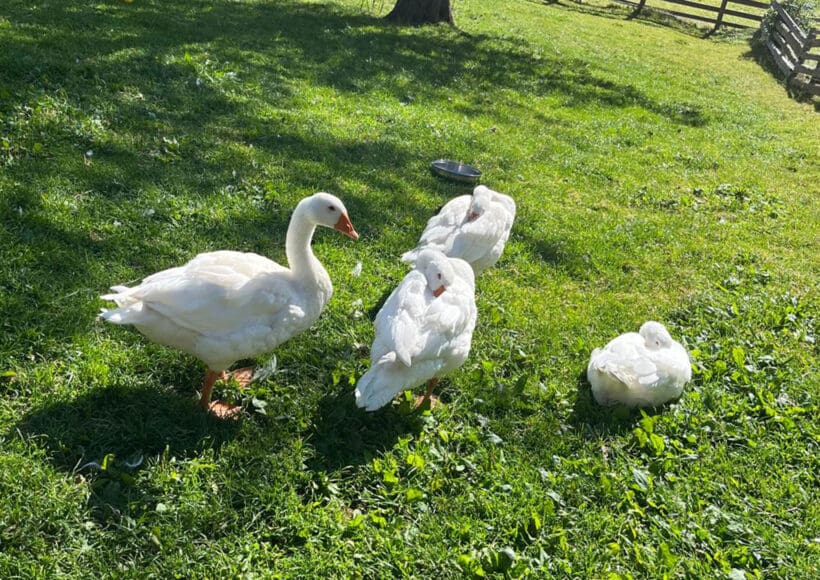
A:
[(657, 175)]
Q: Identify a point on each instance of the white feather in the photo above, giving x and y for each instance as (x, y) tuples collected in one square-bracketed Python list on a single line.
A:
[(419, 336), (639, 369), (480, 241), (225, 306)]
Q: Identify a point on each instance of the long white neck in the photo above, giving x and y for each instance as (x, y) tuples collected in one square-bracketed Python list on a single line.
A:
[(304, 265)]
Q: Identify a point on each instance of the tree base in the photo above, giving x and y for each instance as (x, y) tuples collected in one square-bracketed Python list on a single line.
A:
[(418, 12)]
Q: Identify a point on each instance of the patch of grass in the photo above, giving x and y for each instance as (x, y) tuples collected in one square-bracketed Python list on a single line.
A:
[(657, 176)]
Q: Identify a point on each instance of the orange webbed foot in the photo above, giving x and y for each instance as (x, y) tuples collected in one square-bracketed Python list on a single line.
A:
[(242, 376), (424, 402), (429, 400), (222, 410), (217, 408)]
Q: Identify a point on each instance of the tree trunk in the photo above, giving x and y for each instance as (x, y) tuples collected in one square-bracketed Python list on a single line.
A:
[(418, 12)]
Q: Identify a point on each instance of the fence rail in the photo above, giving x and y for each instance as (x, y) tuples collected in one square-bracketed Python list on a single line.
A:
[(793, 51), (737, 9)]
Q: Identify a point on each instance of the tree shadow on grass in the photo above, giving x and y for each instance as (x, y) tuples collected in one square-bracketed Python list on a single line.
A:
[(275, 48)]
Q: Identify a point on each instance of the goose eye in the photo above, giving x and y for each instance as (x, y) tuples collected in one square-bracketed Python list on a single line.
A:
[(438, 275), (331, 208)]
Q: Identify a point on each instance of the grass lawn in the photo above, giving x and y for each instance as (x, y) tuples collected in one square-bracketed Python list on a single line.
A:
[(657, 175)]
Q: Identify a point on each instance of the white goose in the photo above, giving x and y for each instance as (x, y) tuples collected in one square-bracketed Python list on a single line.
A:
[(471, 227), (423, 331), (639, 369), (225, 306)]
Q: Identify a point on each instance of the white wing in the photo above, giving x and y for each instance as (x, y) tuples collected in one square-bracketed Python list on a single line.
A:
[(442, 227), (211, 294), (408, 351), (507, 202), (625, 359), (448, 316), (476, 239), (397, 323)]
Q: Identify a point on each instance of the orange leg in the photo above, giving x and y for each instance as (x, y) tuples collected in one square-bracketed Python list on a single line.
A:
[(218, 408), (207, 387), (428, 397)]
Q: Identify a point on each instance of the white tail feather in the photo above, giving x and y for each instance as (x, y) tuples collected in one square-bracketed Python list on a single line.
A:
[(410, 256)]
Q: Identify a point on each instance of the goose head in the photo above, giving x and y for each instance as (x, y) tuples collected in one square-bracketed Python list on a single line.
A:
[(327, 210), (482, 198), (438, 270), (655, 335)]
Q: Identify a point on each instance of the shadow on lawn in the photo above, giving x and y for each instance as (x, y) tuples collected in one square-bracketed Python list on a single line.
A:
[(175, 83), (593, 419), (98, 434), (169, 79), (563, 255), (344, 435), (759, 54), (126, 422)]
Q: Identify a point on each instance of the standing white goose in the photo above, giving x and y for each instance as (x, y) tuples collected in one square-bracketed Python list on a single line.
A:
[(471, 227), (639, 369), (423, 331), (225, 306)]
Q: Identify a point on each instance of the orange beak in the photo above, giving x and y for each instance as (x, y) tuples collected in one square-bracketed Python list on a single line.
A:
[(439, 291), (345, 226), (472, 216)]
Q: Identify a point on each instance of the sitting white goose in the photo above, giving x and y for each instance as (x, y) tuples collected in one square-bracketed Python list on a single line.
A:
[(225, 306), (639, 369), (423, 331), (471, 227)]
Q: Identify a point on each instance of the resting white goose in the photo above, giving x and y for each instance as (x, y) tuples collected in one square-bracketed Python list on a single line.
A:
[(423, 331), (225, 306), (639, 369), (471, 227)]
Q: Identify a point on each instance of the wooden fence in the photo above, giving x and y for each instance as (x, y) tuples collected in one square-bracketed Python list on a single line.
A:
[(796, 53), (729, 13)]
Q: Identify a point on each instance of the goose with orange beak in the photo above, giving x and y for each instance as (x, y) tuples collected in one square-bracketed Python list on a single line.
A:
[(473, 227), (225, 306), (423, 331)]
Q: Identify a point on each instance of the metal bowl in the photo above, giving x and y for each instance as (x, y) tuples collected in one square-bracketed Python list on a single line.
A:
[(455, 170)]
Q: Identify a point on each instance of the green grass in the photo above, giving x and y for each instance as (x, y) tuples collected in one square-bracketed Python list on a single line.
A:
[(657, 175)]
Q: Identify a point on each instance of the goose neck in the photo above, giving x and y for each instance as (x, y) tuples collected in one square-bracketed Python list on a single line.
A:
[(301, 260)]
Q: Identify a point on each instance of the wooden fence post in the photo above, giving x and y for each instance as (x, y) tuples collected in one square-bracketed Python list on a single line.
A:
[(637, 9), (719, 18)]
